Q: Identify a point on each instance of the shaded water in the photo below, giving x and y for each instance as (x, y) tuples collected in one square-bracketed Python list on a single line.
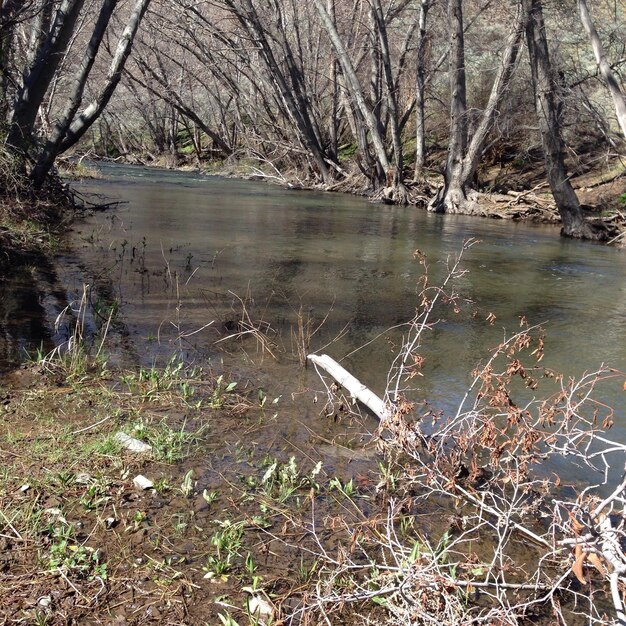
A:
[(182, 245)]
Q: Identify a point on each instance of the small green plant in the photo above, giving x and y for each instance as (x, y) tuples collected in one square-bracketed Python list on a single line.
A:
[(250, 565), (227, 544), (282, 480), (73, 558), (209, 497), (162, 485), (227, 619), (188, 484), (168, 444), (217, 399), (95, 496), (349, 489)]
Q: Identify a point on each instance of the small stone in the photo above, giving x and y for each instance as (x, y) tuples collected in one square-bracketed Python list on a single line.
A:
[(132, 444), (57, 513), (142, 483), (259, 607), (44, 602), (83, 478), (25, 488), (110, 522)]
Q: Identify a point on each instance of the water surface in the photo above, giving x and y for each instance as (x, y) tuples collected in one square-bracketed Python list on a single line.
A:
[(183, 250)]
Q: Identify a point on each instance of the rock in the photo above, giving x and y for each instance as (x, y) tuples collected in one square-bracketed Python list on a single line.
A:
[(83, 478), (44, 602), (142, 483), (131, 444), (25, 488), (110, 522), (259, 607)]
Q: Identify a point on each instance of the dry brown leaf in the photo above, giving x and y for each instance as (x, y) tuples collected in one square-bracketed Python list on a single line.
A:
[(577, 568), (596, 561)]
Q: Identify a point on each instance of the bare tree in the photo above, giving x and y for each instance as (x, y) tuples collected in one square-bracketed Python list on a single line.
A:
[(619, 101), (464, 156), (574, 224), (38, 79)]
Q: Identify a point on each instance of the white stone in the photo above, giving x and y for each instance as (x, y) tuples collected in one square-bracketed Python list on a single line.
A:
[(132, 444), (142, 483)]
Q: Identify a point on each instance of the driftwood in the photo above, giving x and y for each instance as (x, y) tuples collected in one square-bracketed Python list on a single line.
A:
[(356, 388)]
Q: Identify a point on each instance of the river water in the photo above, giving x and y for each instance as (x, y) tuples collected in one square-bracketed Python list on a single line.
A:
[(183, 250)]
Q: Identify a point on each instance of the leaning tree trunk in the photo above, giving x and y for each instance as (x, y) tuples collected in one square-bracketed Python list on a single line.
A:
[(37, 81), (353, 86), (619, 101), (52, 146), (498, 93), (82, 123), (574, 224)]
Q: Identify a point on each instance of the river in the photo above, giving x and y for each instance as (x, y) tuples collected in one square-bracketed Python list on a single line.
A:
[(183, 249)]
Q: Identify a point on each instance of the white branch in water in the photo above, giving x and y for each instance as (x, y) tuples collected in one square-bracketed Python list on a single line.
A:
[(356, 388)]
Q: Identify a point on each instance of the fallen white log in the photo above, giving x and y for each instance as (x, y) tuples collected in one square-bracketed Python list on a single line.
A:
[(356, 388)]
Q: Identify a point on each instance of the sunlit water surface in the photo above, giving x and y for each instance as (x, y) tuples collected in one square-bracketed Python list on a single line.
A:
[(182, 249)]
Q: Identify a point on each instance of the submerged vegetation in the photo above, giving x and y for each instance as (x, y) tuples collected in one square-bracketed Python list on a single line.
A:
[(453, 518)]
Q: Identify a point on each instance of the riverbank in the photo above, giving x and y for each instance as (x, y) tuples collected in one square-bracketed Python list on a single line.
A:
[(247, 522), (157, 495)]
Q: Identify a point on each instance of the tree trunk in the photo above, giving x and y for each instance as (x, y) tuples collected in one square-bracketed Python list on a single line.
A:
[(574, 224), (399, 192), (290, 94), (51, 148), (38, 79), (498, 92), (90, 114), (353, 86), (452, 197), (8, 10), (420, 88), (619, 101), (334, 96)]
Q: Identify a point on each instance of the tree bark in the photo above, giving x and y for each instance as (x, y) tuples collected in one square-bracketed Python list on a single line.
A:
[(619, 101), (8, 11), (420, 88), (450, 199), (90, 114), (53, 144), (289, 92), (38, 79), (392, 99), (498, 93), (574, 224), (353, 86)]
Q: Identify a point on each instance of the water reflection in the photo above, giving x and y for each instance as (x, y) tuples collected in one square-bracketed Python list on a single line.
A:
[(196, 239)]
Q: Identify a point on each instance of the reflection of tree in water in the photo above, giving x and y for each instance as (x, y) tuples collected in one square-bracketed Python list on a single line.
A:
[(22, 316)]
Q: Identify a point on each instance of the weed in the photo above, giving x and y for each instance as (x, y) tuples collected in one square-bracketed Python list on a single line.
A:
[(349, 489), (216, 401), (227, 543), (168, 445), (209, 497), (73, 558), (96, 496), (188, 484), (282, 480)]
